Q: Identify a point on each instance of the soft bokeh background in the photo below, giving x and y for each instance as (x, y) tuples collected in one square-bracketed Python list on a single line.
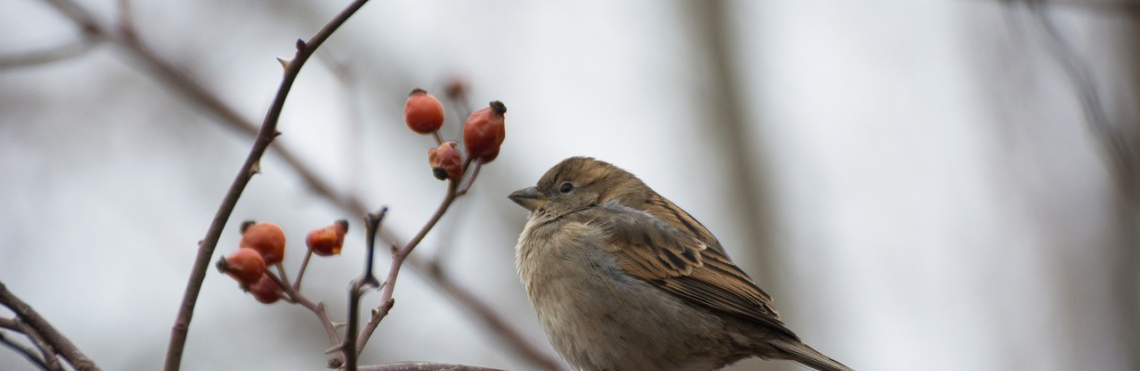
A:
[(917, 183)]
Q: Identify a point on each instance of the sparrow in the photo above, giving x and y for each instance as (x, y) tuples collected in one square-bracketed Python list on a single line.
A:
[(621, 279)]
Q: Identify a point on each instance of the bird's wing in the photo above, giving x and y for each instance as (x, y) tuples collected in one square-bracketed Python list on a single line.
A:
[(692, 266)]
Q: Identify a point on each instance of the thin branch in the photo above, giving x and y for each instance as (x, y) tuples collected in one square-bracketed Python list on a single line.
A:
[(251, 166), (317, 308), (398, 257), (1119, 151), (301, 271), (46, 351), (372, 226), (46, 331), (425, 366), (470, 180), (50, 357), (25, 351), (48, 55)]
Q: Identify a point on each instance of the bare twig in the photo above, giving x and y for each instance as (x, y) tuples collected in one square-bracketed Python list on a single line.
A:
[(372, 226), (398, 258), (1115, 144), (425, 366), (251, 166), (315, 307), (46, 331), (25, 351), (49, 354), (53, 54)]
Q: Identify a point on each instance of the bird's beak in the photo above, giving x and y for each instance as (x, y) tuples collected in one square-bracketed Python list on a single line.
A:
[(528, 198)]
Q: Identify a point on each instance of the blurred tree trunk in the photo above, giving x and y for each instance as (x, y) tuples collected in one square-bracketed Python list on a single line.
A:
[(1126, 172), (1114, 122), (727, 122)]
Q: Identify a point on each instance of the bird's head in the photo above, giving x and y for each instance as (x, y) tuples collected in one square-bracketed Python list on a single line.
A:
[(578, 183)]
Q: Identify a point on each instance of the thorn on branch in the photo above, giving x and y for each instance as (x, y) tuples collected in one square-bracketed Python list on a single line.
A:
[(301, 45)]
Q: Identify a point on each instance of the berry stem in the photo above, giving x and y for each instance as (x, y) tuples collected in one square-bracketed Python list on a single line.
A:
[(281, 271), (301, 272), (470, 180)]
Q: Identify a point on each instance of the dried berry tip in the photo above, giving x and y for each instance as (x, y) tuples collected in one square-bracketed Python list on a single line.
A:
[(343, 224), (416, 91), (439, 173), (499, 107), (246, 224), (221, 265)]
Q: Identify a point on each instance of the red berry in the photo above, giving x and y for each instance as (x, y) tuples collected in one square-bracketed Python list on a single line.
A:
[(329, 240), (484, 132), (422, 112), (445, 161), (265, 290), (267, 238), (245, 265)]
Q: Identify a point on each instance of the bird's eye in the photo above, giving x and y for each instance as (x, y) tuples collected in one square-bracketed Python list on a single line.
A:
[(566, 187)]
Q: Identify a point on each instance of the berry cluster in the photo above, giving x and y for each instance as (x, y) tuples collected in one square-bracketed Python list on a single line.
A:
[(263, 245), (483, 133)]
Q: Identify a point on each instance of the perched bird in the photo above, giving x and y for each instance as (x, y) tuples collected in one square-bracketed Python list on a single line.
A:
[(624, 280)]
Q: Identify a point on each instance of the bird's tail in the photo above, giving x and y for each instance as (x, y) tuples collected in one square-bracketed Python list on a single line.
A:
[(798, 351)]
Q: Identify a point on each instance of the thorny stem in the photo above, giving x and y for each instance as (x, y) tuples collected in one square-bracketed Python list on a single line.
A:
[(317, 308), (372, 225), (264, 137), (398, 257)]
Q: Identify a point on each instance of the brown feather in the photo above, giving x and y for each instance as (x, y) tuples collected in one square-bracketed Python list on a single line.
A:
[(669, 255)]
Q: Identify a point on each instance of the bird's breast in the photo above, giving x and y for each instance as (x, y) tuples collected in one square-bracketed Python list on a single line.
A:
[(597, 316)]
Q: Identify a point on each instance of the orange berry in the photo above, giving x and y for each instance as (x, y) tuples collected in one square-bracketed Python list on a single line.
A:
[(245, 265), (265, 290), (484, 132), (267, 238), (445, 161), (422, 112), (329, 240)]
